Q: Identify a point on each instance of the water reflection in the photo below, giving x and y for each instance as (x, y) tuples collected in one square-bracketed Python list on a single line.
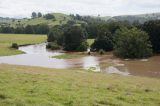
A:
[(91, 63)]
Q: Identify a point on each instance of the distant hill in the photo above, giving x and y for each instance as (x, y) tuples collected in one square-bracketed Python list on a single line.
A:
[(141, 18), (5, 20), (106, 18), (63, 19)]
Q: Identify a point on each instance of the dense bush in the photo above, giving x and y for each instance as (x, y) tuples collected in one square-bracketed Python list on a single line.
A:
[(132, 43), (56, 34), (153, 30), (73, 37), (53, 46), (103, 41), (49, 16), (15, 46), (83, 47), (51, 37)]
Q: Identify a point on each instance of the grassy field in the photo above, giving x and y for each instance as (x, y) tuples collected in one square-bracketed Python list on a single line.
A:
[(6, 41), (33, 86)]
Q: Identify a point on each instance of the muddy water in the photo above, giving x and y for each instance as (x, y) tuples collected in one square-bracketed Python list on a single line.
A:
[(145, 67), (38, 55)]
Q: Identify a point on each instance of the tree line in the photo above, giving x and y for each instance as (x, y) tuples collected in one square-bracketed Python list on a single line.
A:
[(29, 29), (126, 40), (39, 14)]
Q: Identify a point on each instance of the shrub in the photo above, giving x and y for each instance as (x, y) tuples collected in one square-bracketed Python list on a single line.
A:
[(132, 43), (15, 46), (53, 46), (83, 47)]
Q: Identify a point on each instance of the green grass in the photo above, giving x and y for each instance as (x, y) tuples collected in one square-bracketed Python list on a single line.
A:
[(90, 41), (69, 56), (33, 86), (6, 41)]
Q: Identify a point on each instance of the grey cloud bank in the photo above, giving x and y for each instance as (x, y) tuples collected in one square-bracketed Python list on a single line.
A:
[(23, 8)]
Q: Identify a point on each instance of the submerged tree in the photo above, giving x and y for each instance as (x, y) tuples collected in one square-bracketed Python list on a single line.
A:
[(132, 43)]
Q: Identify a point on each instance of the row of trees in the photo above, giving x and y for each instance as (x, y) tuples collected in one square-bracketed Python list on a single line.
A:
[(35, 15), (29, 29), (125, 39), (39, 14)]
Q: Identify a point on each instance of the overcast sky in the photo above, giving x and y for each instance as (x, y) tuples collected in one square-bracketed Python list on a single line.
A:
[(23, 8)]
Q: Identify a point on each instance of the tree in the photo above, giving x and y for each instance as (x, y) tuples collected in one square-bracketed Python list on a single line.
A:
[(51, 37), (41, 29), (57, 35), (83, 46), (6, 29), (92, 30), (29, 29), (19, 30), (49, 16), (132, 43), (34, 15), (39, 14), (153, 30), (104, 40), (73, 38)]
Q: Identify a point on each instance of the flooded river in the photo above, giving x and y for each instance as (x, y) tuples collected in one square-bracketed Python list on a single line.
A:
[(38, 55)]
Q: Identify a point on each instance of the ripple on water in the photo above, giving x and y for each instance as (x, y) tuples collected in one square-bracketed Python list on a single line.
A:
[(114, 70)]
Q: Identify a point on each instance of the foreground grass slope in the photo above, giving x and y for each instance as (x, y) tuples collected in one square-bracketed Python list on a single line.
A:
[(6, 41), (31, 86)]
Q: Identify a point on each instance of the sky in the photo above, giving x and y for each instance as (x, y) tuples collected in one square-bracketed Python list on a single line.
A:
[(24, 8)]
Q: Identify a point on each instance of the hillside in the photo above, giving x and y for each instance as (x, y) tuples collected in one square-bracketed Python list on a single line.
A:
[(59, 19), (141, 18)]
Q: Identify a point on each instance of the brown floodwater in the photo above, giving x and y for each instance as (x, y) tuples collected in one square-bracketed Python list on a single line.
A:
[(38, 55), (145, 67)]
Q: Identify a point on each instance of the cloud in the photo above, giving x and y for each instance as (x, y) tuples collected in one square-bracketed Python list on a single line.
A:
[(23, 8)]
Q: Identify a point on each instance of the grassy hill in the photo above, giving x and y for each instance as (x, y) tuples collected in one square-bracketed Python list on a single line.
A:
[(59, 20)]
